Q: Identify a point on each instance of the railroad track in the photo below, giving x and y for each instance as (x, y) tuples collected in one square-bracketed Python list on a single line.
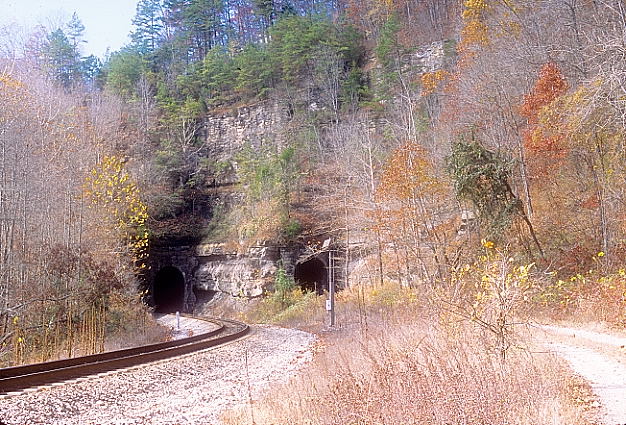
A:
[(34, 375)]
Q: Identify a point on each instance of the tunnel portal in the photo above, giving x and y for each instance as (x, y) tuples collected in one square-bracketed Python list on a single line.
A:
[(312, 275), (169, 290)]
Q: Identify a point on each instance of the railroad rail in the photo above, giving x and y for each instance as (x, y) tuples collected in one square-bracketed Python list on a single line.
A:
[(34, 375)]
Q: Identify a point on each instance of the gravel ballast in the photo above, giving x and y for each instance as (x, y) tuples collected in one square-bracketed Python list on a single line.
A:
[(193, 389)]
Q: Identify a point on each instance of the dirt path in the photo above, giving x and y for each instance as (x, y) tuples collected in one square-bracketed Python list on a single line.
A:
[(600, 359)]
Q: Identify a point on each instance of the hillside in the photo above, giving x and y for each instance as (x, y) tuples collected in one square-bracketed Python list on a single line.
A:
[(240, 132), (456, 167)]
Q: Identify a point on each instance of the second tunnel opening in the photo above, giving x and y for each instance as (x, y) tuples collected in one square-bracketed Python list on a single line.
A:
[(312, 275)]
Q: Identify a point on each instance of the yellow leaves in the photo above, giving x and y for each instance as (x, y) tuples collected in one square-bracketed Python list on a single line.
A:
[(14, 93), (480, 25), (9, 83), (110, 188), (584, 116), (523, 271), (408, 174), (474, 33), (487, 244), (387, 3), (495, 280), (600, 254), (577, 277), (6, 80), (473, 8), (432, 80), (509, 28), (606, 289)]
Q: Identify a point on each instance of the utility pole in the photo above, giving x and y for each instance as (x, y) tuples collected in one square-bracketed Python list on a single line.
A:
[(330, 303)]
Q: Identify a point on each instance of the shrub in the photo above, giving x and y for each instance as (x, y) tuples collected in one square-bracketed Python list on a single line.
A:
[(597, 294), (287, 303)]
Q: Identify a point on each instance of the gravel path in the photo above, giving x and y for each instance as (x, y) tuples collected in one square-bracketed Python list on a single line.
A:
[(597, 358), (601, 338), (193, 389)]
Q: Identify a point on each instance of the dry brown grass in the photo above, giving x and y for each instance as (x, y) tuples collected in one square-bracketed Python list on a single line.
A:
[(411, 368), (149, 333), (396, 358)]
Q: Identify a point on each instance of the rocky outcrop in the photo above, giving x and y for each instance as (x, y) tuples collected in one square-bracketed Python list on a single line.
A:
[(245, 275), (215, 269), (228, 131), (430, 57)]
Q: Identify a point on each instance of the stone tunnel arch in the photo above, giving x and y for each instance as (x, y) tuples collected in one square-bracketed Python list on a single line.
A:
[(312, 275), (168, 290)]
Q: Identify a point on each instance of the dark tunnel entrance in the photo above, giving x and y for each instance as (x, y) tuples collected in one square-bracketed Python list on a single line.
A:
[(312, 275), (169, 290)]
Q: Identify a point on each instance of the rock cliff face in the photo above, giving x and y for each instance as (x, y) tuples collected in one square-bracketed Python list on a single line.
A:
[(213, 268), (430, 57), (267, 123), (263, 123), (245, 275)]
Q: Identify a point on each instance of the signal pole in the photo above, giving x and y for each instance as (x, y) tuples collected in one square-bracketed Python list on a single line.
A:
[(330, 305)]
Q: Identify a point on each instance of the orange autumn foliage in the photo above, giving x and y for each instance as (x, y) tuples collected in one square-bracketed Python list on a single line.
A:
[(550, 85), (408, 174), (545, 148), (411, 198)]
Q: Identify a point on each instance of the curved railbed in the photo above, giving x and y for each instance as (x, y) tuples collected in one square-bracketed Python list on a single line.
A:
[(37, 374)]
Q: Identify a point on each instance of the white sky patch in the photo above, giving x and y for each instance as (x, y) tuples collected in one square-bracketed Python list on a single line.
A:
[(107, 22)]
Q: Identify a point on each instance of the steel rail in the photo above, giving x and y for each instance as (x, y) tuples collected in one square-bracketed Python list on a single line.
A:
[(22, 377)]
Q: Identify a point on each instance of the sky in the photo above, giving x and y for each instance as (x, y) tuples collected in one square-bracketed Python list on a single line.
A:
[(107, 22)]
